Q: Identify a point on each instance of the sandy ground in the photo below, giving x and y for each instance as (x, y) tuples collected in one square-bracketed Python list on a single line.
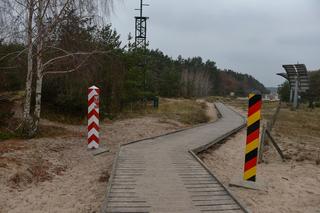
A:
[(291, 186), (211, 110), (58, 174)]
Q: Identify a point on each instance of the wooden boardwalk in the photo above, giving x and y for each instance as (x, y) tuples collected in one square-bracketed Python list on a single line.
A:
[(161, 175)]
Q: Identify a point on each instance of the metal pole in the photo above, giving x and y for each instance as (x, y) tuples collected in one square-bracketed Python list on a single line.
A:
[(141, 3), (291, 95), (261, 145)]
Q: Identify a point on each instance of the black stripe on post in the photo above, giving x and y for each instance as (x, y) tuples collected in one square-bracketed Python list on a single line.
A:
[(254, 100), (251, 155), (253, 178), (253, 127)]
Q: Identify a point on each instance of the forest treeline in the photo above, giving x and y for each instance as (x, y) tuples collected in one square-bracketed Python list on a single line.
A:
[(124, 74)]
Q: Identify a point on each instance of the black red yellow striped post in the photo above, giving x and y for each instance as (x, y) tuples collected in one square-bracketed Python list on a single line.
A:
[(252, 142)]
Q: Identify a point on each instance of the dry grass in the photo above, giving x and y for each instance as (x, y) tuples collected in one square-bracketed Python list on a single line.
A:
[(39, 168), (104, 177), (34, 171), (268, 107), (49, 131), (303, 122), (183, 110), (297, 132), (186, 111), (20, 179), (50, 113)]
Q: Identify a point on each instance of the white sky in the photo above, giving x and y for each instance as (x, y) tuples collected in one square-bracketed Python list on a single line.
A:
[(247, 36)]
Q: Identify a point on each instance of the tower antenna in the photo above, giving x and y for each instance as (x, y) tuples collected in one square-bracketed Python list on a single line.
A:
[(141, 27)]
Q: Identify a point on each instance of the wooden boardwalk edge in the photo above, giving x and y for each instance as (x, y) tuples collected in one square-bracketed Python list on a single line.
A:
[(193, 152)]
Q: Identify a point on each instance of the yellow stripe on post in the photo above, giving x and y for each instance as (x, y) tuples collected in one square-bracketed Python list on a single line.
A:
[(249, 173), (253, 118), (251, 146), (251, 95)]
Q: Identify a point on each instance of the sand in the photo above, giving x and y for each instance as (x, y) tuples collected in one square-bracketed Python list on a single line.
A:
[(291, 186), (58, 174)]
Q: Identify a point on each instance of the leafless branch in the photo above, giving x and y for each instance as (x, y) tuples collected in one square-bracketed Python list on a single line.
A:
[(88, 54), (13, 53), (53, 60), (57, 48), (7, 68), (68, 71)]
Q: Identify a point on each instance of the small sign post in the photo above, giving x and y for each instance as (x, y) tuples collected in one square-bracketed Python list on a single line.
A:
[(93, 117)]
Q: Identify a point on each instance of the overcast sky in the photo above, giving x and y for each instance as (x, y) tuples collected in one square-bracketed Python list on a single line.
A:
[(247, 36)]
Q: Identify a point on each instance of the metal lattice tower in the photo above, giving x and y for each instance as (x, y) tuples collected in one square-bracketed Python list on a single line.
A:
[(141, 28)]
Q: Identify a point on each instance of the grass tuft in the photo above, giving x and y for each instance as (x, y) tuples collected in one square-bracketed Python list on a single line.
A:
[(185, 111)]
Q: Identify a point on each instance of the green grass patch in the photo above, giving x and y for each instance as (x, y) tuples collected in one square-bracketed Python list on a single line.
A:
[(7, 135)]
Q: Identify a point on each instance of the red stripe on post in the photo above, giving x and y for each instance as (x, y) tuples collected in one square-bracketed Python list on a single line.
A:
[(92, 113), (254, 135), (93, 125), (93, 138), (251, 163), (256, 107), (91, 101)]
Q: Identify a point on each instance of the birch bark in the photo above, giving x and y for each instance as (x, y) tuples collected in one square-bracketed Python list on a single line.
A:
[(40, 45), (27, 119)]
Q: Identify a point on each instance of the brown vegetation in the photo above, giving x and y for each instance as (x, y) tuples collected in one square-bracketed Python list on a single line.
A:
[(186, 111), (297, 132)]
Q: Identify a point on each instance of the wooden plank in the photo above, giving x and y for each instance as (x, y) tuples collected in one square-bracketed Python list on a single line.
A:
[(224, 211), (219, 207), (214, 202), (208, 194), (275, 145)]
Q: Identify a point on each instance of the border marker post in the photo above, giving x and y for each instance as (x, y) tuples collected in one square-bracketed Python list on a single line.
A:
[(252, 141), (248, 179), (93, 117)]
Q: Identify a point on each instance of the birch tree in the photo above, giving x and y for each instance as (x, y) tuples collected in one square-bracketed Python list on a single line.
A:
[(37, 22)]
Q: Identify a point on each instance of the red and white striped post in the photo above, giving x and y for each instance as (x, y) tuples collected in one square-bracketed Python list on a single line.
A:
[(93, 117)]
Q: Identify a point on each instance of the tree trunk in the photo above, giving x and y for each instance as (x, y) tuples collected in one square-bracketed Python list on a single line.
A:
[(37, 110), (40, 26), (27, 119)]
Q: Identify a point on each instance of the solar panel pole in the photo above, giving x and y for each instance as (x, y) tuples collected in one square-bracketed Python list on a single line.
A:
[(291, 95)]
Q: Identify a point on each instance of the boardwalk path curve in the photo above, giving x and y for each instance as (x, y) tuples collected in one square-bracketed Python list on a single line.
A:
[(161, 175)]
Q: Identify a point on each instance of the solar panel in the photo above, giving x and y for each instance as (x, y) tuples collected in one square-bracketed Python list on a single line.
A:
[(303, 77), (297, 71), (283, 75)]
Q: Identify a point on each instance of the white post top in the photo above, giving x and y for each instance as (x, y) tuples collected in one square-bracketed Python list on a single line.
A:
[(93, 87)]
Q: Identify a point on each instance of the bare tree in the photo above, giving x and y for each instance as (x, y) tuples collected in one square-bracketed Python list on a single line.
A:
[(27, 120), (37, 21)]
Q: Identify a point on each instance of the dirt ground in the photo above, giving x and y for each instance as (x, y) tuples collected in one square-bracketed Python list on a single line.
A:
[(58, 173), (291, 186)]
